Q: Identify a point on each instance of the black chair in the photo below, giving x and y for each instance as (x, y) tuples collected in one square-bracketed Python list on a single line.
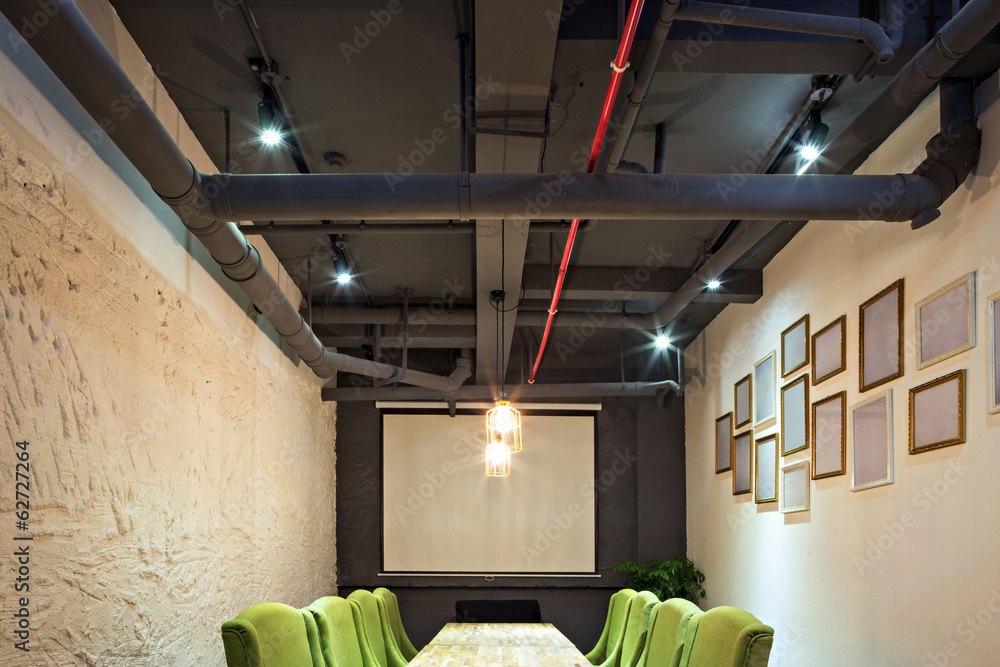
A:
[(498, 611)]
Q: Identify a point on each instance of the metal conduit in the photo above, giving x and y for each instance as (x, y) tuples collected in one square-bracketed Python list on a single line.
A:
[(271, 229), (76, 55), (516, 392)]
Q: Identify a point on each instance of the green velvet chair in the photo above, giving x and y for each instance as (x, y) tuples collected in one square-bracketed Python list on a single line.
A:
[(391, 603), (629, 646), (341, 639), (670, 623), (612, 626), (375, 629), (729, 637), (272, 635)]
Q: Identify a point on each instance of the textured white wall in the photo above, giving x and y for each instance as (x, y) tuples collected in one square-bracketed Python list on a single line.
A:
[(182, 466), (833, 599)]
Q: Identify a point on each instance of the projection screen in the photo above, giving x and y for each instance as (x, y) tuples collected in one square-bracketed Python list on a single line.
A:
[(442, 514)]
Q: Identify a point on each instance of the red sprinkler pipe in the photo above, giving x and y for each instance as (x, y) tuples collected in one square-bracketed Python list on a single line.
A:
[(618, 68)]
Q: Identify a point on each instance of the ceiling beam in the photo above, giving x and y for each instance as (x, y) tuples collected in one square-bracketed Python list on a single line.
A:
[(618, 283)]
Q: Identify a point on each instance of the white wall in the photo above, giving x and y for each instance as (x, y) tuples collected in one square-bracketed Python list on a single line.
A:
[(182, 464), (846, 583)]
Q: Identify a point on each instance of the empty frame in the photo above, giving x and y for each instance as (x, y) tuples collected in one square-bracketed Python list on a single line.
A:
[(795, 347), (829, 446), (765, 469), (871, 442), (763, 390), (743, 401), (993, 356), (795, 487), (742, 462), (946, 321), (724, 443), (829, 349), (881, 338), (795, 415), (937, 413)]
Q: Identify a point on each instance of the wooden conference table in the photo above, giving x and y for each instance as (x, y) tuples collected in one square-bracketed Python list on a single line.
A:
[(499, 645)]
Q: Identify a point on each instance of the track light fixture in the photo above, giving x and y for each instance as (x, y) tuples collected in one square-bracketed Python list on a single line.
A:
[(270, 127), (814, 139)]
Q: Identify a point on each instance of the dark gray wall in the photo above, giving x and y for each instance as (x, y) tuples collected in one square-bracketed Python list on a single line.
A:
[(640, 515)]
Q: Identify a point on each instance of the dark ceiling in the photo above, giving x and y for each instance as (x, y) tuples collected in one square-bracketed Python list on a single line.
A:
[(382, 98)]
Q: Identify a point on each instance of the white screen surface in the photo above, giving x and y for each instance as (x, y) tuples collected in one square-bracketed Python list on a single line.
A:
[(441, 513)]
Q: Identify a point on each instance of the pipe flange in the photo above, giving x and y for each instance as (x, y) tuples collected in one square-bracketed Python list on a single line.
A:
[(245, 268)]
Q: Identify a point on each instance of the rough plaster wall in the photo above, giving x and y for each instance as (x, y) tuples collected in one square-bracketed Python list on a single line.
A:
[(175, 479)]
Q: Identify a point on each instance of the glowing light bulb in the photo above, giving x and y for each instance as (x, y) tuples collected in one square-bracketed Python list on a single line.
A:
[(497, 460), (270, 137), (343, 278), (809, 153), (662, 342), (714, 284)]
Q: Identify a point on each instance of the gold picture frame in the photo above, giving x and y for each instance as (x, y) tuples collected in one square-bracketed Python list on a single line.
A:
[(794, 339), (765, 469), (946, 321), (881, 321), (829, 433), (822, 351), (743, 400), (724, 448), (795, 404), (993, 353), (742, 442), (936, 420)]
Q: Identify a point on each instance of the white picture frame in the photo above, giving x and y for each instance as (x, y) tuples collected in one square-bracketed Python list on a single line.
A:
[(794, 496), (742, 462), (829, 426), (871, 442), (946, 321), (795, 415), (993, 353), (764, 408), (765, 469)]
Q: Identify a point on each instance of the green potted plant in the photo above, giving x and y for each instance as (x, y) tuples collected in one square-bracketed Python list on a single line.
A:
[(671, 578)]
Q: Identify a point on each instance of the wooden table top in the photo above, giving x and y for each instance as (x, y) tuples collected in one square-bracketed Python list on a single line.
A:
[(499, 645)]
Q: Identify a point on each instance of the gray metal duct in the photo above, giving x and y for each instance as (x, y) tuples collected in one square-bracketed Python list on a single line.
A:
[(869, 32), (522, 196), (389, 228), (516, 392), (74, 52)]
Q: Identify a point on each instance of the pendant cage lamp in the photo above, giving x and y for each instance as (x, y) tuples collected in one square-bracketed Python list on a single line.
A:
[(497, 459), (503, 425)]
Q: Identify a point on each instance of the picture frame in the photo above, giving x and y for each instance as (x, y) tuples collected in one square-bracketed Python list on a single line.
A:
[(724, 443), (794, 487), (795, 415), (742, 462), (880, 338), (871, 442), (993, 353), (795, 346), (743, 401), (765, 467), (937, 413), (829, 350), (829, 426), (946, 321), (763, 390)]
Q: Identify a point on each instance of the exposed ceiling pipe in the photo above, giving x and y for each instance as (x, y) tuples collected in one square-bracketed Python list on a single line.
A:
[(74, 52), (947, 168), (467, 317), (640, 84), (523, 391), (514, 196), (868, 31), (361, 228), (618, 66)]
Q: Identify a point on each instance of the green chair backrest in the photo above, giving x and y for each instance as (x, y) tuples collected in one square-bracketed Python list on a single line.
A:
[(670, 623), (729, 637), (272, 635), (340, 636), (606, 644), (634, 637), (371, 613), (396, 622)]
